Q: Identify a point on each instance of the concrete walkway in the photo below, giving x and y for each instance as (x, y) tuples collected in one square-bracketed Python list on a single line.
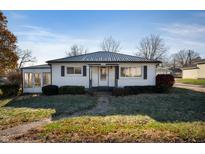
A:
[(198, 88), (100, 108), (7, 135)]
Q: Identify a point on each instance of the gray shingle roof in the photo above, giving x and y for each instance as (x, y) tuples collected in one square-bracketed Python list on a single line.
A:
[(44, 66), (102, 56)]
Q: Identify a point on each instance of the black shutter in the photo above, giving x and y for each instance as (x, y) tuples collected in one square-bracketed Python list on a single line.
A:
[(62, 70), (116, 72), (145, 72), (84, 71)]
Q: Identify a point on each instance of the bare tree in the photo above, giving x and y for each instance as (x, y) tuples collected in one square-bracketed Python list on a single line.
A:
[(152, 47), (111, 45), (186, 57), (76, 50), (25, 56)]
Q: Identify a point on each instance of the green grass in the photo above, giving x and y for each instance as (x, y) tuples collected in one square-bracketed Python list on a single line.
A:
[(62, 104), (178, 105), (118, 129), (192, 81), (175, 117), (10, 117), (29, 108)]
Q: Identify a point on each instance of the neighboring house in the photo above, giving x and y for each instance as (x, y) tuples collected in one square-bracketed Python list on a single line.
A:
[(194, 71), (97, 69), (176, 72)]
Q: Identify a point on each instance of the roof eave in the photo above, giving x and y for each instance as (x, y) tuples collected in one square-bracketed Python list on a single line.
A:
[(50, 62)]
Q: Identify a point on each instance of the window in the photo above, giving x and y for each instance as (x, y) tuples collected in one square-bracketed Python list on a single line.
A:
[(37, 80), (46, 78), (73, 70), (131, 71), (28, 80)]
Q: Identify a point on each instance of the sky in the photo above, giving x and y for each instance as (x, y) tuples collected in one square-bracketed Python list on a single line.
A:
[(49, 34)]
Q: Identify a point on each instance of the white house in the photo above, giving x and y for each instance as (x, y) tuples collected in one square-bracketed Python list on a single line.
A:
[(97, 69)]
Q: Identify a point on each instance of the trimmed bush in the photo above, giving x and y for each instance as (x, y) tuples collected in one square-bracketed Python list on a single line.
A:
[(9, 90), (120, 92), (50, 90), (140, 89), (72, 90), (164, 82)]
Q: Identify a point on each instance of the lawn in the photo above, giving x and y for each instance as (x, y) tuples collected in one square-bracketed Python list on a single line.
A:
[(10, 117), (63, 105), (192, 81), (28, 108), (175, 117)]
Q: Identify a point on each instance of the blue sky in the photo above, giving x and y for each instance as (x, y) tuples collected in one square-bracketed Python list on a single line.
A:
[(50, 33)]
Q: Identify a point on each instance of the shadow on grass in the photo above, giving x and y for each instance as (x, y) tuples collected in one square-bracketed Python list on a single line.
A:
[(62, 104), (179, 105)]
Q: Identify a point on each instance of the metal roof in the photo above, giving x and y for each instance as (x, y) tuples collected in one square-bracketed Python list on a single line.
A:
[(44, 66), (102, 56)]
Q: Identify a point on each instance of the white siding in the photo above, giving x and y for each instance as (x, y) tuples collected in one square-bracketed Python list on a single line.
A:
[(76, 79), (80, 80), (112, 76), (33, 89), (95, 76), (138, 81)]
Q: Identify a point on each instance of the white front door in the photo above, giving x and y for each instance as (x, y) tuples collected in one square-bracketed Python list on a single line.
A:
[(103, 76)]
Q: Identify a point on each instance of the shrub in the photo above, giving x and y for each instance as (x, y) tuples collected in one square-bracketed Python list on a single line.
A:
[(120, 92), (164, 82), (50, 90), (9, 90), (72, 90), (140, 89)]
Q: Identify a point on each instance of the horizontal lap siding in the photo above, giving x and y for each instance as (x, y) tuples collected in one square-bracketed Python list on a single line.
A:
[(78, 80), (138, 81)]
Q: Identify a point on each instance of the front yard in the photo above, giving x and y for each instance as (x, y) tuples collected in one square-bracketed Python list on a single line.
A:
[(175, 117), (192, 81), (33, 108)]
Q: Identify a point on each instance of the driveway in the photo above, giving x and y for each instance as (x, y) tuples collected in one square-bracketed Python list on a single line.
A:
[(198, 88)]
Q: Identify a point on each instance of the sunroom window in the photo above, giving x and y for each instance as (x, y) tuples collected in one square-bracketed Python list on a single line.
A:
[(28, 80), (46, 78), (37, 79), (131, 72)]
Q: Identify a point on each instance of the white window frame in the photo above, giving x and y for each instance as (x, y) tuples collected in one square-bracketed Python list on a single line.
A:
[(74, 74), (134, 77)]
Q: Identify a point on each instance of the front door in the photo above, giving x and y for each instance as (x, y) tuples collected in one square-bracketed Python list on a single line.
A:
[(103, 76)]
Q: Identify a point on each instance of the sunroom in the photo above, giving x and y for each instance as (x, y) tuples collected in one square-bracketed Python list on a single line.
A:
[(35, 77)]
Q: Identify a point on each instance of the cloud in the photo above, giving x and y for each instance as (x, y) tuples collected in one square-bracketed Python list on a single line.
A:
[(177, 44), (189, 30), (47, 45), (184, 36)]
